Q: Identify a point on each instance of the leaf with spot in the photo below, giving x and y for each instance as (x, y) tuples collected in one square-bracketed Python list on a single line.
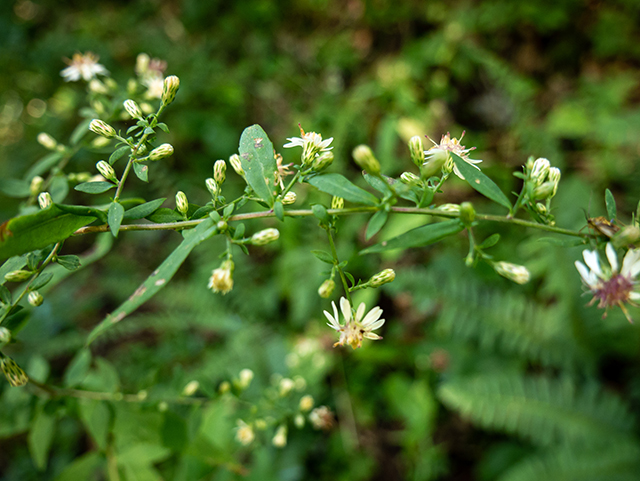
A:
[(258, 162)]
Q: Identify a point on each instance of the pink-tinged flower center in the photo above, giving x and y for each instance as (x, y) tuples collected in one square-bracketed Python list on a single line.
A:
[(614, 291)]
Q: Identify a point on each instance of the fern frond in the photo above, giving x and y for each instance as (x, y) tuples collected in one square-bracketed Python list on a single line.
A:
[(539, 409)]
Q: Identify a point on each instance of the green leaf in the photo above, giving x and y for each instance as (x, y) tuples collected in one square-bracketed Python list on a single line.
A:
[(143, 454), (201, 212), (421, 236), (324, 256), (78, 368), (84, 211), (115, 215), (174, 431), (12, 264), (610, 202), (94, 187), (5, 295), (80, 131), (59, 188), (159, 278), (162, 126), (562, 242), (71, 262), (278, 210), (239, 232), (378, 184), (96, 416), (118, 153), (490, 241), (43, 165), (36, 231), (320, 212), (83, 467), (164, 215), (15, 188), (143, 210), (41, 281), (480, 182), (228, 210), (376, 223), (40, 438), (142, 171), (340, 186), (258, 162)]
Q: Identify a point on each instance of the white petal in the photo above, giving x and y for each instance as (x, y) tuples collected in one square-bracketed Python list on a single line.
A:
[(371, 335), (333, 322), (376, 325), (584, 272), (373, 315), (592, 261), (345, 307), (631, 263), (634, 296), (360, 311), (612, 257)]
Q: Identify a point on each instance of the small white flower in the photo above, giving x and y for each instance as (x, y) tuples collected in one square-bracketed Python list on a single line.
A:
[(440, 152), (311, 143), (611, 286), (155, 86), (221, 279), (244, 433), (83, 66), (356, 327)]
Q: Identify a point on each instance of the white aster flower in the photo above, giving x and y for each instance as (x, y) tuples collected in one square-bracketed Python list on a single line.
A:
[(356, 327), (440, 153), (311, 143), (155, 86), (244, 433), (83, 66), (610, 285)]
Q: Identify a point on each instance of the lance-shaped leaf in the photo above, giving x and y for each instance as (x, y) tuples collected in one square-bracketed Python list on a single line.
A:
[(258, 162), (36, 231), (340, 186), (481, 182), (159, 278), (418, 237)]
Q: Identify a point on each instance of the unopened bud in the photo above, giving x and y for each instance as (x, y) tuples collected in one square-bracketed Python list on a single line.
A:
[(539, 170), (83, 177), (513, 272), (170, 88), (265, 236), (364, 157), (322, 161), (467, 213), (36, 185), (160, 152), (554, 176), (35, 298), (337, 203), (44, 200), (280, 439), (106, 171), (133, 109), (244, 378), (286, 385), (326, 288), (541, 208), (191, 388), (409, 178), (544, 191), (289, 198), (306, 403), (17, 276), (224, 387), (47, 141), (298, 420), (236, 164), (219, 171), (14, 374), (382, 277), (102, 128), (417, 150), (436, 159), (449, 208), (627, 236), (212, 186), (97, 87), (182, 204), (142, 64), (5, 336)]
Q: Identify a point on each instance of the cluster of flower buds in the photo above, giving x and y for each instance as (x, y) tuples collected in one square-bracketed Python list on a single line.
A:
[(542, 179)]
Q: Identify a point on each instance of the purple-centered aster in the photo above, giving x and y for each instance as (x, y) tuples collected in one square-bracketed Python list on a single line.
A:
[(355, 328), (611, 285)]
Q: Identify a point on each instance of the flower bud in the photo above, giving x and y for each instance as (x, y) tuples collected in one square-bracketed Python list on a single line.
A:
[(326, 288), (47, 141), (436, 160), (142, 64), (244, 378), (5, 336), (17, 276), (539, 170), (14, 374), (102, 128), (513, 272), (417, 150), (286, 385), (224, 387), (627, 236), (541, 208), (36, 185), (265, 236), (106, 171), (191, 388), (544, 191), (160, 152), (467, 213), (322, 161), (280, 439), (410, 178), (306, 403), (35, 298), (449, 208), (44, 200), (244, 433), (212, 186), (321, 418), (364, 157), (182, 204), (289, 198), (133, 109), (382, 277), (298, 420), (219, 171), (170, 88), (83, 177), (554, 176), (337, 202), (235, 162), (221, 279), (97, 87)]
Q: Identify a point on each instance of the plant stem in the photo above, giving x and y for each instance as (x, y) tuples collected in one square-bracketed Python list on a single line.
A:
[(334, 253)]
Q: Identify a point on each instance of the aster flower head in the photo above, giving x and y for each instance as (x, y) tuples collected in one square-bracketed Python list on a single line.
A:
[(440, 153), (311, 143), (356, 327), (221, 279), (611, 285), (83, 66)]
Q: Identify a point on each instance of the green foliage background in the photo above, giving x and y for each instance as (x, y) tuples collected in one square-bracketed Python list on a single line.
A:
[(476, 378)]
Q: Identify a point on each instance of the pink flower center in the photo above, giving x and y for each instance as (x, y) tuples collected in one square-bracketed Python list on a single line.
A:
[(614, 291)]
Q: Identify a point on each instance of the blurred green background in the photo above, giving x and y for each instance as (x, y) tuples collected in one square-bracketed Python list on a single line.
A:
[(476, 378)]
